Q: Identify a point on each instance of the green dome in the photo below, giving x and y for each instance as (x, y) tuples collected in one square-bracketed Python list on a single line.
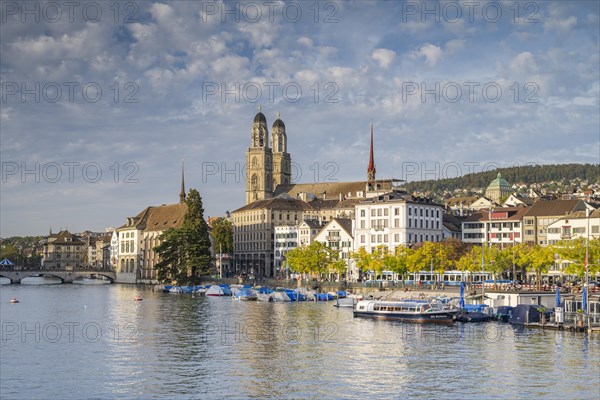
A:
[(499, 183)]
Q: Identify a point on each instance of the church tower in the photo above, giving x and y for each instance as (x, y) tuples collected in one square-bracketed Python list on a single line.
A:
[(259, 162), (282, 163), (371, 184)]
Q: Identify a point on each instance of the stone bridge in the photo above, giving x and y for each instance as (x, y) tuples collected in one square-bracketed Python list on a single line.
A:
[(64, 275)]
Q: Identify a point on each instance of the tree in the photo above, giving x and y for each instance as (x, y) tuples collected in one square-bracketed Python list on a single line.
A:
[(185, 252), (428, 255), (401, 261), (574, 252), (540, 258), (500, 260), (313, 259), (522, 252), (222, 232)]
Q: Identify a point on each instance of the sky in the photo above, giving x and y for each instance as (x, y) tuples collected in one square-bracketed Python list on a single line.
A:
[(101, 101)]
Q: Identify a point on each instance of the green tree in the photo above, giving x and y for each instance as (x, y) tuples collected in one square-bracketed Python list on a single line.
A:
[(500, 260), (185, 252), (401, 261), (222, 232), (574, 252), (313, 259), (540, 259)]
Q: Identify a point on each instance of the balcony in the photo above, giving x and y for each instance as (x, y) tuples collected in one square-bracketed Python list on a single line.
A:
[(333, 238)]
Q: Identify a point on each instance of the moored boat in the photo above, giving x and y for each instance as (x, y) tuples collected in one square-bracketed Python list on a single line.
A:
[(418, 311)]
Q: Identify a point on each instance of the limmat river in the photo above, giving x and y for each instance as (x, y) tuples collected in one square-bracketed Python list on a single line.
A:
[(95, 342)]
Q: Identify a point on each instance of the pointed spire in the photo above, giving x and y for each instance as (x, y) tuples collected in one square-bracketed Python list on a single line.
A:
[(371, 167), (182, 192)]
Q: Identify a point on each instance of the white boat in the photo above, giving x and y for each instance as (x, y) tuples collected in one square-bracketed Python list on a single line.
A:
[(349, 301), (419, 311), (216, 291)]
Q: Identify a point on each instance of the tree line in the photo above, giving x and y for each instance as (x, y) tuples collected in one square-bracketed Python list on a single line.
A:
[(450, 254), (527, 174)]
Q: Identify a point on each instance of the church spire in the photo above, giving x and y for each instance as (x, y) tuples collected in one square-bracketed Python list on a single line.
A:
[(371, 167), (182, 192)]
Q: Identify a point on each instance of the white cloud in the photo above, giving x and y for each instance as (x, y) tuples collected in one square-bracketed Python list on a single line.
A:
[(305, 41), (384, 57), (429, 52)]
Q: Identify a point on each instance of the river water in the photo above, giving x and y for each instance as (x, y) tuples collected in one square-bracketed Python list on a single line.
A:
[(95, 342)]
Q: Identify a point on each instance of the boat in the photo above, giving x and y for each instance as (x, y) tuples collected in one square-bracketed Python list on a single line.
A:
[(472, 316), (323, 296), (503, 313), (138, 298), (14, 300), (525, 314), (218, 290), (347, 302), (418, 311), (473, 313), (245, 294)]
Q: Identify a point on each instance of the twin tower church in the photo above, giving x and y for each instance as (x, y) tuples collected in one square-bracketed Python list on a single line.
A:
[(266, 167)]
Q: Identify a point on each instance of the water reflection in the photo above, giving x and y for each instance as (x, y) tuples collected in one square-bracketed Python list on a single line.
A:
[(179, 346)]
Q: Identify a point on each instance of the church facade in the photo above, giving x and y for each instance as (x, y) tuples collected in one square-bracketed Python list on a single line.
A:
[(273, 200)]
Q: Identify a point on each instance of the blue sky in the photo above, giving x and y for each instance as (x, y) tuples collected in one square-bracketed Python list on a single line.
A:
[(450, 88)]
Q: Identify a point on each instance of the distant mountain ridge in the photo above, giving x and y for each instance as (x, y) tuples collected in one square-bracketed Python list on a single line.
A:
[(566, 173)]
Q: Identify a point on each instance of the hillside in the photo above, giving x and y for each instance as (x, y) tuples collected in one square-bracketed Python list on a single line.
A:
[(557, 176)]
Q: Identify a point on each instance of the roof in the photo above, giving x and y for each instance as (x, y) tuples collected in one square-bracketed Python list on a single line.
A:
[(460, 200), (158, 218), (65, 238), (345, 224), (499, 182), (277, 203), (277, 124), (582, 214), (323, 189), (451, 222), (543, 208), (312, 223), (260, 117)]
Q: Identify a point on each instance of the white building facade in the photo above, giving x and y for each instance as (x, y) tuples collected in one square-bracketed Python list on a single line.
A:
[(501, 226), (396, 219), (337, 235), (286, 239)]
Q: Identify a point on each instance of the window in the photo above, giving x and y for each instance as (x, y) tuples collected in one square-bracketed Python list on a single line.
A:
[(409, 210), (396, 211), (362, 238), (362, 213), (385, 212), (396, 237)]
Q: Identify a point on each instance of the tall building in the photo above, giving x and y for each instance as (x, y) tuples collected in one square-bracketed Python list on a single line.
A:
[(266, 167), (63, 250), (396, 219), (273, 200), (134, 258)]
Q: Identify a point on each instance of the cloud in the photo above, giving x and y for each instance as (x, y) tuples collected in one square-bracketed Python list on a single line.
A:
[(429, 52), (384, 57), (304, 41)]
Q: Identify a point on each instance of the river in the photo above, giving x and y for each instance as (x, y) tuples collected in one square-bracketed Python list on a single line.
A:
[(95, 342)]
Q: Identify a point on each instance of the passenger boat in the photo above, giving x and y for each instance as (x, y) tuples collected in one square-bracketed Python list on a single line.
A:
[(419, 311)]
